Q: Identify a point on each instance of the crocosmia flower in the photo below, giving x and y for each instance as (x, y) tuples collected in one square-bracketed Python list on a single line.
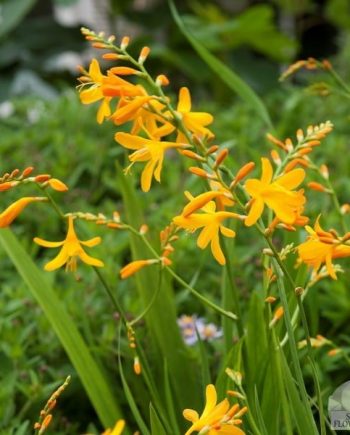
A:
[(146, 150), (277, 194), (209, 220), (71, 250), (321, 247), (117, 430), (216, 419)]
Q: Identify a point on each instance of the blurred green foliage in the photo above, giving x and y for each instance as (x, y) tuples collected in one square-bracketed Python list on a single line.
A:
[(50, 129)]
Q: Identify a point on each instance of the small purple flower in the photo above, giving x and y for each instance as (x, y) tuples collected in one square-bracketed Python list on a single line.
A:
[(206, 331)]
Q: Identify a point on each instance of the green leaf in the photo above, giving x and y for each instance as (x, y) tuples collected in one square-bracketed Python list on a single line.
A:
[(232, 80), (161, 318), (156, 425), (129, 397), (12, 12), (90, 374)]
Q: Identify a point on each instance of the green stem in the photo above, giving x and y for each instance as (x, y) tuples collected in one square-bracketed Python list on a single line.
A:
[(179, 279), (292, 342), (151, 302), (234, 290)]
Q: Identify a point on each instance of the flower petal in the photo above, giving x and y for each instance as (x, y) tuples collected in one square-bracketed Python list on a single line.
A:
[(90, 260), (217, 251), (255, 212), (58, 261), (130, 141), (146, 177), (267, 172), (46, 243), (92, 242), (291, 179), (184, 104), (190, 415)]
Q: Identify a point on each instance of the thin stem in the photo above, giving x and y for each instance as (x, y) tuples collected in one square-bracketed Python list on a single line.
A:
[(179, 279), (151, 302)]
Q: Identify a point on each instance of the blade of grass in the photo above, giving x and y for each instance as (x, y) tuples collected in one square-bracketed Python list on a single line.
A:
[(90, 374), (170, 401), (232, 80), (156, 425), (161, 318), (129, 397)]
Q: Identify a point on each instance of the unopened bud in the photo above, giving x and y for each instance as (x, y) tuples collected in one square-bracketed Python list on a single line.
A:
[(144, 54), (299, 291), (289, 145), (317, 186), (270, 299), (27, 171), (162, 80), (201, 172), (212, 149), (191, 155), (125, 42), (110, 56), (137, 366), (42, 178), (300, 135), (221, 157), (276, 157), (276, 141), (243, 172), (324, 171)]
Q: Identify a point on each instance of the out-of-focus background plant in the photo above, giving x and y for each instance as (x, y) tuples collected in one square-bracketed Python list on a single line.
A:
[(43, 124)]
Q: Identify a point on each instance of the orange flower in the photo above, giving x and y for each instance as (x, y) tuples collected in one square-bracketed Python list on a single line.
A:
[(95, 93), (146, 150), (216, 419), (71, 249), (320, 248), (277, 195), (210, 220), (10, 214), (195, 122)]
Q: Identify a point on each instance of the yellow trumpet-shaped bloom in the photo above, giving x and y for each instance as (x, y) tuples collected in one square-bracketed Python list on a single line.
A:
[(71, 250), (117, 430), (216, 418), (10, 214), (94, 92), (278, 195), (320, 248), (195, 122), (210, 220), (146, 150)]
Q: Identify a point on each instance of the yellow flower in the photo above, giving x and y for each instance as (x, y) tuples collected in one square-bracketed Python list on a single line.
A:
[(147, 150), (117, 430), (71, 249), (321, 247), (277, 195), (95, 93), (210, 220), (216, 419), (10, 214), (195, 122)]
